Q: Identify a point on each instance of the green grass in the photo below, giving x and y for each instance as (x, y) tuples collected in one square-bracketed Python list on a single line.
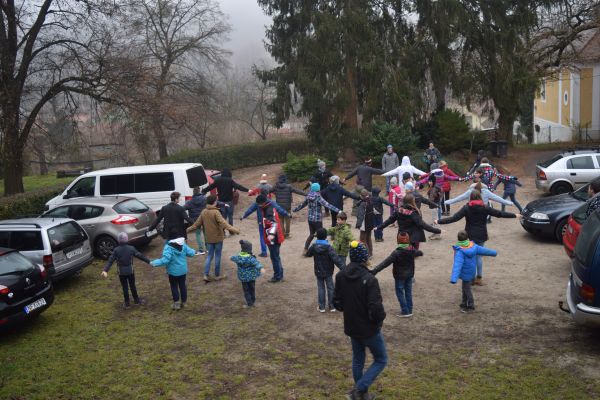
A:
[(39, 181), (86, 347)]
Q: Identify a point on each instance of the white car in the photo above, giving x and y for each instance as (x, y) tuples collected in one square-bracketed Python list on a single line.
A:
[(568, 171)]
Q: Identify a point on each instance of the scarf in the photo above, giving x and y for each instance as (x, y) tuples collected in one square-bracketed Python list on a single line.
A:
[(464, 243)]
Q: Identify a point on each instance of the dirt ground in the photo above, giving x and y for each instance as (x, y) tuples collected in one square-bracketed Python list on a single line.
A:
[(518, 304)]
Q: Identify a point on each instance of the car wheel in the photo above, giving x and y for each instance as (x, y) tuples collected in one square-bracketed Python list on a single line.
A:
[(560, 188), (105, 246), (560, 230)]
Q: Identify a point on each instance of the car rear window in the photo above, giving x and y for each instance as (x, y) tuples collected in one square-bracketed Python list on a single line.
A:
[(65, 235), (196, 176), (132, 206), (587, 239), (14, 262), (25, 241), (551, 161)]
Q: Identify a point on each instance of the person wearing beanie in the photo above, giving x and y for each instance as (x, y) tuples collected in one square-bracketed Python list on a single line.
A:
[(248, 270), (314, 201), (214, 225), (410, 188), (263, 187), (378, 203), (404, 171), (324, 258), (226, 192), (321, 175), (403, 261), (283, 196), (446, 186), (262, 199), (464, 267), (389, 161), (335, 194), (123, 254), (358, 296), (364, 174)]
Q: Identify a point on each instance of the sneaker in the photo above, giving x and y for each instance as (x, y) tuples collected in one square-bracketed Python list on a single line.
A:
[(220, 277), (405, 315), (332, 310), (207, 278), (263, 255), (273, 280), (126, 305), (200, 253), (176, 306), (378, 240), (246, 306), (321, 310), (182, 304), (435, 236), (139, 301)]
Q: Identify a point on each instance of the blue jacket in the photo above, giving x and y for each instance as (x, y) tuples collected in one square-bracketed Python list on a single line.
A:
[(248, 267), (510, 187), (465, 261), (174, 258), (255, 208)]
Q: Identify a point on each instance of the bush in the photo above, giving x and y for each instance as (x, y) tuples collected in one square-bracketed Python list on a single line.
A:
[(452, 131), (301, 168), (373, 142), (242, 155), (29, 203)]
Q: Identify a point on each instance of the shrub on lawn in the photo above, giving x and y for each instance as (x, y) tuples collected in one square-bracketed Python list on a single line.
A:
[(301, 168), (28, 203)]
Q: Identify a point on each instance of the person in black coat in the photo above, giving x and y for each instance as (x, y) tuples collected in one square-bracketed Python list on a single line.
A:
[(403, 259), (324, 259), (358, 296), (174, 217), (378, 203), (334, 193), (225, 186), (476, 214), (364, 174), (283, 196)]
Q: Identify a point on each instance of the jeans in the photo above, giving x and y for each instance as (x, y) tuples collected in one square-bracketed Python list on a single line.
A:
[(178, 287), (261, 235), (227, 212), (325, 284), (467, 295), (376, 346), (404, 295), (276, 261), (128, 282), (214, 250), (312, 229), (387, 184), (249, 292), (512, 198), (446, 197), (378, 221), (201, 244), (480, 261)]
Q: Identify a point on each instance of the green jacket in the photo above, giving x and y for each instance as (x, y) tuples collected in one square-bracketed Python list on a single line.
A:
[(342, 236)]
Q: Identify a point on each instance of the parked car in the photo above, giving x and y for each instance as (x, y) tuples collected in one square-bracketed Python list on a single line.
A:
[(25, 288), (58, 244), (548, 216), (583, 288), (151, 184), (103, 218), (568, 171), (576, 219)]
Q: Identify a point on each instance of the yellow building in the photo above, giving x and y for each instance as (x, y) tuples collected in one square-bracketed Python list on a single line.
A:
[(568, 103)]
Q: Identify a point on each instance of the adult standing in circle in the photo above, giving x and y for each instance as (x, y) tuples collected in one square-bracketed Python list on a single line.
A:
[(431, 155), (389, 161), (364, 174), (173, 216), (225, 186)]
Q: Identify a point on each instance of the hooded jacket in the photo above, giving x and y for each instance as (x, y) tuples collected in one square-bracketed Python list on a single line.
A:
[(405, 166), (510, 187), (446, 184), (475, 214), (465, 261), (174, 257), (225, 185), (262, 188), (254, 207), (396, 195), (324, 258), (357, 294), (174, 217), (123, 254), (441, 179), (248, 267), (364, 175), (389, 161), (342, 236), (214, 224), (195, 205), (410, 221), (334, 194), (283, 192), (314, 202), (403, 259), (378, 201)]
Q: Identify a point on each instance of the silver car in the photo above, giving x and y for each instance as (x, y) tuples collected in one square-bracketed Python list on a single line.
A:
[(568, 171), (59, 244), (103, 218)]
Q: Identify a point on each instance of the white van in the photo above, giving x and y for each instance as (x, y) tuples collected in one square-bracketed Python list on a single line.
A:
[(152, 184)]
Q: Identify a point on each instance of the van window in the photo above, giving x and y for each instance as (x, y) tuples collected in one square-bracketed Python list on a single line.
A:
[(586, 241), (116, 184), (4, 238), (154, 182), (196, 176), (65, 235), (26, 240), (584, 162), (83, 188)]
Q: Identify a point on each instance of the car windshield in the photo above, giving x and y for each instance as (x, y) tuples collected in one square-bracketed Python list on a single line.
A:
[(581, 193), (131, 206), (65, 235), (551, 161), (11, 263)]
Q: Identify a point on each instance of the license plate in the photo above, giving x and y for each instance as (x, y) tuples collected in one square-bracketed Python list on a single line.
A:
[(35, 305), (74, 253), (151, 233)]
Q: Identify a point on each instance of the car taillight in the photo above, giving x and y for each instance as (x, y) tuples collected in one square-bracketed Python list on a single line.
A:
[(542, 175), (587, 293), (188, 198), (4, 290), (47, 261), (124, 220), (43, 272)]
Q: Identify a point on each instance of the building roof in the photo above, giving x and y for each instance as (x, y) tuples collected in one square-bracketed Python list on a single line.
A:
[(590, 49)]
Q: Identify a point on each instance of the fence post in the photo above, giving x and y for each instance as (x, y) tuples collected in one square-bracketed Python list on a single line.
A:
[(549, 134)]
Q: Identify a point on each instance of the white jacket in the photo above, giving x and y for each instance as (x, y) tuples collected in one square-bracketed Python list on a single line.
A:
[(405, 166)]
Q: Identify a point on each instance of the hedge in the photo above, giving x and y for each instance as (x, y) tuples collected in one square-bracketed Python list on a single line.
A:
[(242, 155), (27, 204)]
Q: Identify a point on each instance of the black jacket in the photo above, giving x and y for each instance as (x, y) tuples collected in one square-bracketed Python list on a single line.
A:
[(364, 175), (410, 221), (325, 258), (283, 192), (334, 194), (404, 263), (123, 254), (475, 214), (225, 185), (365, 214), (195, 205), (420, 199), (378, 201), (357, 294), (320, 177), (174, 217)]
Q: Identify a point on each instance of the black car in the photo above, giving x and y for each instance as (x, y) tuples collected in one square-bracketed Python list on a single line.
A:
[(548, 216), (25, 290)]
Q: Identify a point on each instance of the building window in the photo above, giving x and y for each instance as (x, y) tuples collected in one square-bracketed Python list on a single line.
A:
[(566, 98), (543, 91)]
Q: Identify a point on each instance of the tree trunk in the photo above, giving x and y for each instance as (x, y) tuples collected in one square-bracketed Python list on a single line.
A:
[(351, 112), (159, 136), (13, 164), (506, 122)]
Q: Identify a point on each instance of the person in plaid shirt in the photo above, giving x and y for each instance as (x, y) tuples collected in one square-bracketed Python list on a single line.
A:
[(487, 172), (315, 215)]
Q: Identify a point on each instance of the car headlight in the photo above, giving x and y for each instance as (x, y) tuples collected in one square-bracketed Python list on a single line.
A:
[(539, 215)]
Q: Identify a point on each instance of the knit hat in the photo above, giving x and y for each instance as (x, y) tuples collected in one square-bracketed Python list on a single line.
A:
[(334, 179), (433, 166), (394, 181), (263, 178), (389, 146), (406, 176), (315, 187), (123, 238), (409, 186), (261, 198), (403, 238), (358, 252), (246, 246)]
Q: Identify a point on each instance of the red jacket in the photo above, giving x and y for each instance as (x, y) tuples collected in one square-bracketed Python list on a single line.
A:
[(271, 222), (447, 171)]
